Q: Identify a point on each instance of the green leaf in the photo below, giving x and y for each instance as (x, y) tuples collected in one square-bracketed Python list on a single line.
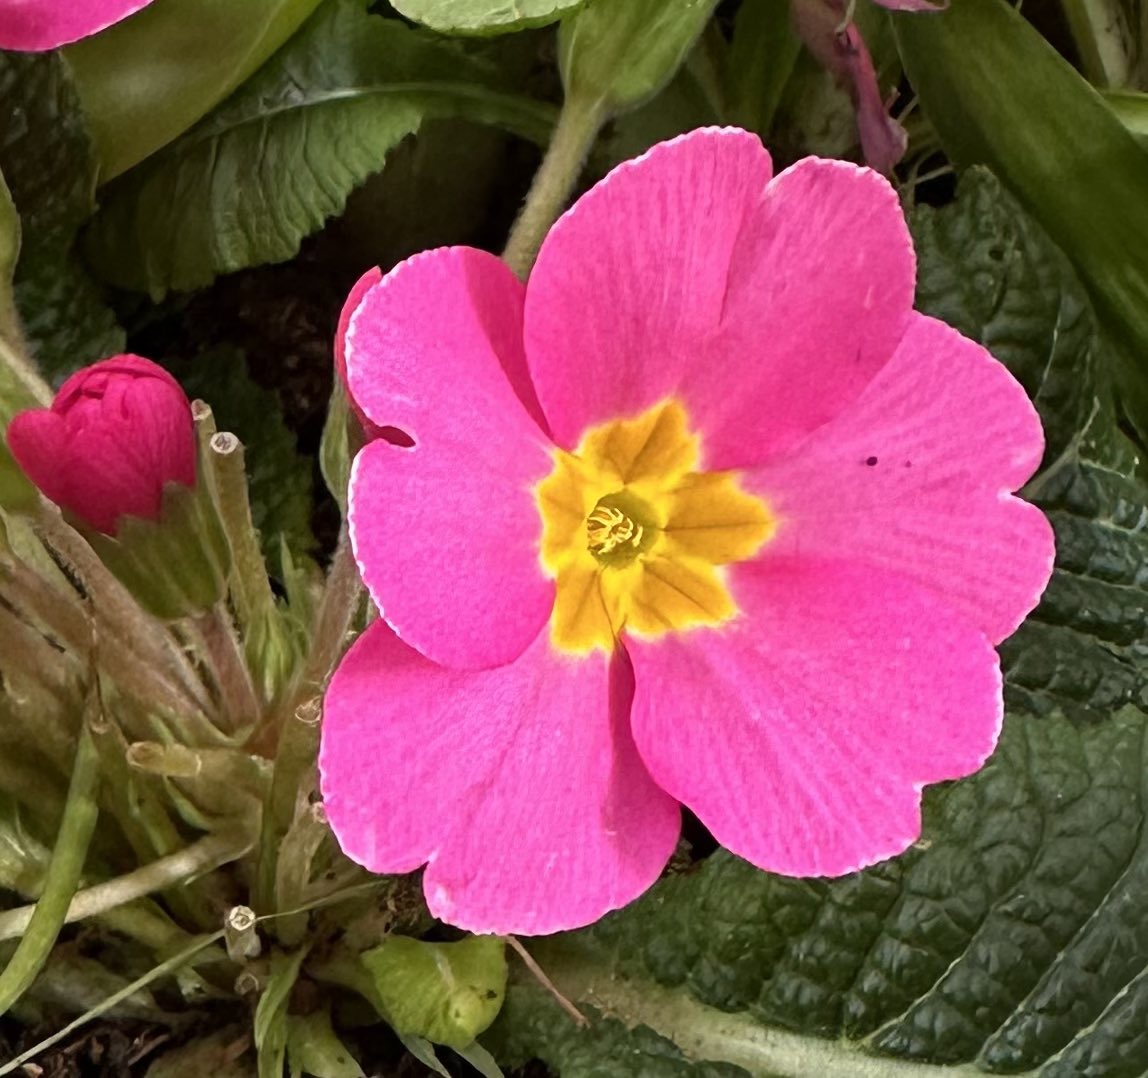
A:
[(279, 478), (45, 156), (446, 992), (146, 80), (271, 1023), (267, 168), (314, 1048), (1013, 938), (998, 94), (484, 16)]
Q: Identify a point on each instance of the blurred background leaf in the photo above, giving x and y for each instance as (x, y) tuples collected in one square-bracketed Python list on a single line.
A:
[(145, 81)]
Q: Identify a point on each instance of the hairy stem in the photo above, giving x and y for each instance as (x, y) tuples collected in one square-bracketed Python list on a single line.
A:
[(578, 125)]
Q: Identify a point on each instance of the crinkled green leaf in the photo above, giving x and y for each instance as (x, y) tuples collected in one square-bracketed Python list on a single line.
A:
[(267, 168), (1013, 938), (46, 159), (484, 16), (279, 478), (146, 80), (446, 992)]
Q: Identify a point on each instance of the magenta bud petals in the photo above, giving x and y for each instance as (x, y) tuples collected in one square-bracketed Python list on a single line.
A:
[(116, 434)]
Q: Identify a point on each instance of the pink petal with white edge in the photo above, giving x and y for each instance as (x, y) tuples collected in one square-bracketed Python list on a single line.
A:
[(802, 733), (916, 476), (39, 25), (446, 532), (520, 785), (765, 305)]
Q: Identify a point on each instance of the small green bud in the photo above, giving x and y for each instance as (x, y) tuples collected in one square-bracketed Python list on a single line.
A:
[(619, 53)]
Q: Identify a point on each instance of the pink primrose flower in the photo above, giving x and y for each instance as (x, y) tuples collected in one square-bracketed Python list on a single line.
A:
[(706, 514), (39, 25), (116, 434)]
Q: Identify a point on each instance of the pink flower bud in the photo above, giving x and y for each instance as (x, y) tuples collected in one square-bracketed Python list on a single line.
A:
[(117, 432), (39, 25)]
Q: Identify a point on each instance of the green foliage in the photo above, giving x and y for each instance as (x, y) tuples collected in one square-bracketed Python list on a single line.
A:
[(618, 57), (145, 81), (279, 478), (271, 1021), (998, 94), (1013, 937), (445, 992), (266, 169), (46, 159), (314, 1048), (484, 16)]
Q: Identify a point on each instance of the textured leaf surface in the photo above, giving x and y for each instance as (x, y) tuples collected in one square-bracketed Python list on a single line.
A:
[(484, 16), (1013, 938), (45, 156), (267, 167)]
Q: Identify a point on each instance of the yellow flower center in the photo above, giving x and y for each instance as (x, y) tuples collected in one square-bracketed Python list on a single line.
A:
[(635, 538)]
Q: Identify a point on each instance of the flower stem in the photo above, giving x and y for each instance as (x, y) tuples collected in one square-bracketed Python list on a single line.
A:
[(251, 590), (297, 726), (578, 125), (63, 876), (239, 704)]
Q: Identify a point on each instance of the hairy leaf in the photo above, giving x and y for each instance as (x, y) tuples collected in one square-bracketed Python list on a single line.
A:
[(247, 184), (1013, 938)]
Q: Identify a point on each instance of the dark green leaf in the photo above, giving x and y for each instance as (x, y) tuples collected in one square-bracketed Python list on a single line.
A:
[(267, 168), (145, 81), (484, 16), (45, 156), (1013, 937)]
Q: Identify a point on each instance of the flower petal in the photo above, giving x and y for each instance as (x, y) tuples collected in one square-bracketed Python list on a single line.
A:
[(802, 733), (39, 25), (520, 785), (916, 476), (446, 532), (764, 305)]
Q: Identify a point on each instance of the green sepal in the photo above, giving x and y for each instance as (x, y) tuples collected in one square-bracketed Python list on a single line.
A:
[(176, 566)]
